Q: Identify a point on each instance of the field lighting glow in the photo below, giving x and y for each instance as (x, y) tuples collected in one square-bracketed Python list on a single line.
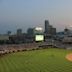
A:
[(38, 28)]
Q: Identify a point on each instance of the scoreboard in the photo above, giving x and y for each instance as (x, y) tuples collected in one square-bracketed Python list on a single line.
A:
[(39, 38), (39, 34)]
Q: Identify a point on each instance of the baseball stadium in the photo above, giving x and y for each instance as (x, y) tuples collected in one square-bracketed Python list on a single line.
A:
[(35, 35), (36, 51)]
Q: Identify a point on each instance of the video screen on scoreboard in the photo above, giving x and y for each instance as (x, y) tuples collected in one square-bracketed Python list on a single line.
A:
[(39, 38)]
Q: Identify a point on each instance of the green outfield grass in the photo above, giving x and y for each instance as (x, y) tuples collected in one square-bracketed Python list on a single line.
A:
[(46, 60)]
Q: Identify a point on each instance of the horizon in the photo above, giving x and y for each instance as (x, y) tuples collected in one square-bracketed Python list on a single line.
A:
[(23, 14)]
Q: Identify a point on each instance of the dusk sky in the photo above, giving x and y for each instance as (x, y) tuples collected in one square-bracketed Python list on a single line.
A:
[(23, 14)]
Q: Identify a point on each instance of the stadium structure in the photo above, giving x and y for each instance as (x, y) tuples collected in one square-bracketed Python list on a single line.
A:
[(36, 38)]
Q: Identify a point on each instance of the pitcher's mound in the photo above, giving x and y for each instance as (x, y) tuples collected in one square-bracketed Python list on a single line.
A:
[(69, 57)]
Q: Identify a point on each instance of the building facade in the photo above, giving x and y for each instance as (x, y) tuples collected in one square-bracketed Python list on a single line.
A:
[(50, 31)]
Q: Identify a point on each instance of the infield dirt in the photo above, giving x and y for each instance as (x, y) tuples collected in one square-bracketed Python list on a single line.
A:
[(69, 57)]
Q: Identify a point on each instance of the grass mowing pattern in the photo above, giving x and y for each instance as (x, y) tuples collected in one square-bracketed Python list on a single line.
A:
[(46, 60)]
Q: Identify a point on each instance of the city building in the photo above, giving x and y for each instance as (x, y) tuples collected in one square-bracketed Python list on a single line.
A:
[(30, 31), (46, 26), (67, 36), (50, 31), (19, 31), (66, 31), (16, 39), (4, 39)]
